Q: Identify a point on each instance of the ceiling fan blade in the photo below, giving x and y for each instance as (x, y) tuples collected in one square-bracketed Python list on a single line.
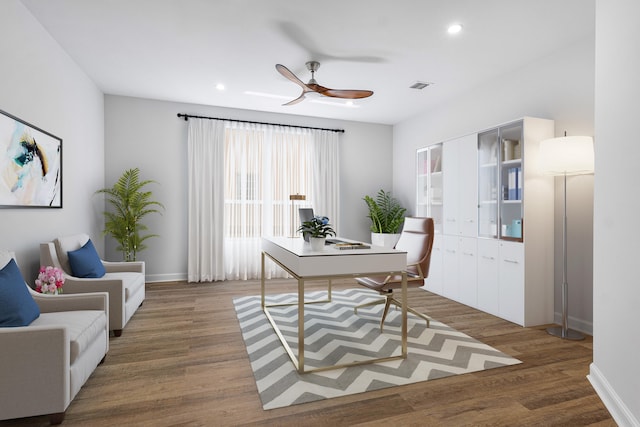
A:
[(289, 75), (342, 93), (298, 99)]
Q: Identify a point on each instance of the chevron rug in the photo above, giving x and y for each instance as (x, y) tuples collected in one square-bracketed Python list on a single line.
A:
[(333, 333)]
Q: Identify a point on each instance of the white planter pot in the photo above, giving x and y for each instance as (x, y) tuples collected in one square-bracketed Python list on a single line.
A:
[(317, 243), (384, 239)]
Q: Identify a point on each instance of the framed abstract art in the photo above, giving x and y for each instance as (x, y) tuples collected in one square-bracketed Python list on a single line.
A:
[(30, 165)]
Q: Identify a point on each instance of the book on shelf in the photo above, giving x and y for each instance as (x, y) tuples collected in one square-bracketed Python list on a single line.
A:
[(352, 245), (514, 178)]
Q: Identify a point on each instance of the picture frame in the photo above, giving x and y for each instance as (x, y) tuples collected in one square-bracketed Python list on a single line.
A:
[(30, 165)]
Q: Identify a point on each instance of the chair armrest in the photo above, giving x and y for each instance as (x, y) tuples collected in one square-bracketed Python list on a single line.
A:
[(34, 367), (120, 267), (72, 302)]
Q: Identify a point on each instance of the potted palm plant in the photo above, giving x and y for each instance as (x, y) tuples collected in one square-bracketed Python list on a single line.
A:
[(318, 228), (129, 205), (386, 215)]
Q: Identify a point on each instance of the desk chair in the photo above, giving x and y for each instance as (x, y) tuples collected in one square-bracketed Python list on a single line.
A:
[(417, 240)]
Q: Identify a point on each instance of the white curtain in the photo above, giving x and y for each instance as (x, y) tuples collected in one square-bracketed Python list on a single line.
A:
[(205, 151), (262, 166)]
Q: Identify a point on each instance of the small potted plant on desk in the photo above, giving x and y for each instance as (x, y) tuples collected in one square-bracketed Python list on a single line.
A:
[(318, 228)]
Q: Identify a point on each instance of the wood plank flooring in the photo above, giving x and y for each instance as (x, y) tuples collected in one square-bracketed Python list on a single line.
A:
[(181, 361)]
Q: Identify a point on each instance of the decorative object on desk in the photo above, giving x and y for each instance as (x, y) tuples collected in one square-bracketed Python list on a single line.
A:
[(351, 245), (386, 215), (50, 280), (318, 228), (436, 352), (130, 204), (567, 155), (30, 165), (294, 198)]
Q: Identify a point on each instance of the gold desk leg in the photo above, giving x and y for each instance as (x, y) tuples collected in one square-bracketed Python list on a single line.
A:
[(404, 315), (300, 326)]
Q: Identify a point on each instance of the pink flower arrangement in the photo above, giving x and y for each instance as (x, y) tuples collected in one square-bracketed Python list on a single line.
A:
[(50, 280)]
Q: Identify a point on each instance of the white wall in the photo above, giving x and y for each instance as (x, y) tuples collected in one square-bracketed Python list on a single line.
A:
[(148, 134), (40, 84), (559, 87), (615, 372)]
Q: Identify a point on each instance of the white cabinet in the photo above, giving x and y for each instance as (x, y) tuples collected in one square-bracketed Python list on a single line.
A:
[(433, 282), (467, 268), (460, 187), (496, 252), (450, 268), (511, 282), (488, 286)]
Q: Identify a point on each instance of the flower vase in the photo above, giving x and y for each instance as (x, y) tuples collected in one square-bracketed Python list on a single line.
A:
[(317, 243)]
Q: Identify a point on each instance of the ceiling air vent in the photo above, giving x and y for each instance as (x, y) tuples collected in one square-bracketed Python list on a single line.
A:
[(420, 85)]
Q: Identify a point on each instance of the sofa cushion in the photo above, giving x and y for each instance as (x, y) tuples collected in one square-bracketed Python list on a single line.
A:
[(85, 262), (17, 307), (132, 281), (66, 244), (83, 326)]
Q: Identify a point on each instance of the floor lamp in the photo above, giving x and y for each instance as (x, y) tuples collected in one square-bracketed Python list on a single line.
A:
[(567, 155)]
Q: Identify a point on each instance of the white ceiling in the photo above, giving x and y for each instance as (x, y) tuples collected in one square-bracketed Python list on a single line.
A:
[(178, 50)]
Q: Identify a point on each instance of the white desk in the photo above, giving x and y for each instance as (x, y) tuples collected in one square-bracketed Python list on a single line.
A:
[(297, 258)]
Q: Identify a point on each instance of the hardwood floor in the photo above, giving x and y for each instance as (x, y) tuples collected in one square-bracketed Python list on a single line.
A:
[(181, 361)]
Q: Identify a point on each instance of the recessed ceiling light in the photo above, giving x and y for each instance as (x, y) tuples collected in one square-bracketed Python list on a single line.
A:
[(454, 28), (220, 86)]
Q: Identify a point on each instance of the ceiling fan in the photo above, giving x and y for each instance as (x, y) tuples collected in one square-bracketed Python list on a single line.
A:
[(313, 86)]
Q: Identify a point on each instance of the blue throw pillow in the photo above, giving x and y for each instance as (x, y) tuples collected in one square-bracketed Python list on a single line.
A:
[(17, 307), (85, 262)]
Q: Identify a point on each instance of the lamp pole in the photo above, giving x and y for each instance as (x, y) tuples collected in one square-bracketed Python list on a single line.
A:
[(564, 331)]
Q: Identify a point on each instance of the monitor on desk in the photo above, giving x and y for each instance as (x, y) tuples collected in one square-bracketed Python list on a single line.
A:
[(306, 214)]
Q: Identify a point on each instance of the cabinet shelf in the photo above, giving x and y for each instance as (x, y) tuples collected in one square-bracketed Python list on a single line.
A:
[(511, 162), (488, 165)]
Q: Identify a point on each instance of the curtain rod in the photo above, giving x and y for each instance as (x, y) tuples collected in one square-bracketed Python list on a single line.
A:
[(189, 116)]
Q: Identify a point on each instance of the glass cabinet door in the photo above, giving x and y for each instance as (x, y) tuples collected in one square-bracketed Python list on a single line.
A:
[(500, 183), (422, 183), (429, 184), (511, 178), (488, 183)]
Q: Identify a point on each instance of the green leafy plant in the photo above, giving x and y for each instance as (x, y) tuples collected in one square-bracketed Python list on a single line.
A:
[(385, 212), (129, 205), (317, 226)]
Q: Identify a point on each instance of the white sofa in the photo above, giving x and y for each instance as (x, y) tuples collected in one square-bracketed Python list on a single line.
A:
[(123, 281), (44, 365)]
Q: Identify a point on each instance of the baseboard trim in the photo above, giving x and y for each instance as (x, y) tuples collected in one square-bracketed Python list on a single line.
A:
[(609, 397), (176, 277)]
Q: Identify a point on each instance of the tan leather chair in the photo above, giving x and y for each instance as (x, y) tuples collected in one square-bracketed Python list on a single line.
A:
[(417, 240)]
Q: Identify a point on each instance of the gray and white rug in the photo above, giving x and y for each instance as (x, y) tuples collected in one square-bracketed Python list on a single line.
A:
[(334, 334)]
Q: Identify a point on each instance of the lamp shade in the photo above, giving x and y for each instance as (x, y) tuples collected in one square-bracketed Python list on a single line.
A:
[(570, 155)]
